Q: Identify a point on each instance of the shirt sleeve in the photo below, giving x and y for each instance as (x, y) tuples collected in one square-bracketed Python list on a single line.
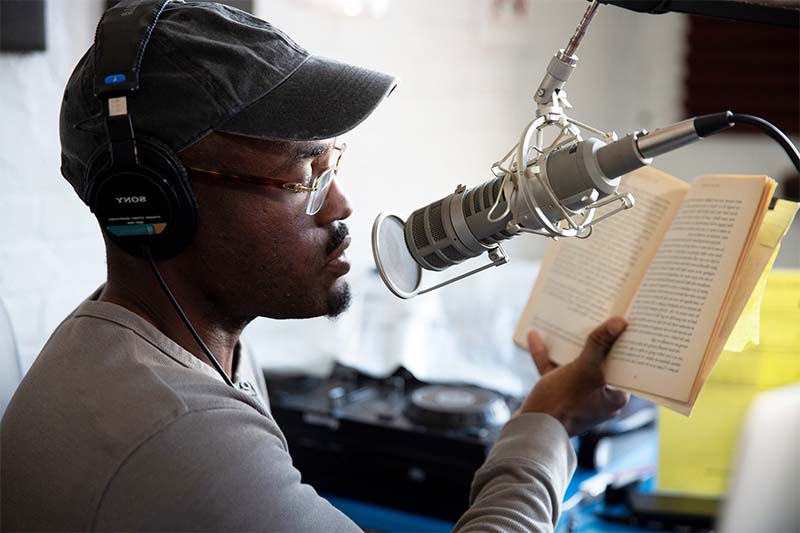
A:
[(228, 469), (521, 485), (222, 469)]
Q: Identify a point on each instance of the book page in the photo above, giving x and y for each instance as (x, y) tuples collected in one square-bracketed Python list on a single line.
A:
[(742, 318), (583, 282), (773, 228), (674, 314), (749, 281)]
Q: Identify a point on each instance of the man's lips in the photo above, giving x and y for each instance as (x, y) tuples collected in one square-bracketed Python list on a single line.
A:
[(337, 258)]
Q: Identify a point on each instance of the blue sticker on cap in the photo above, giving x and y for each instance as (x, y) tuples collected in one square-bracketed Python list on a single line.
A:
[(114, 79)]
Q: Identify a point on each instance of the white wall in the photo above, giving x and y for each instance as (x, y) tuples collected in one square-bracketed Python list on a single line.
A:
[(465, 94), (51, 252)]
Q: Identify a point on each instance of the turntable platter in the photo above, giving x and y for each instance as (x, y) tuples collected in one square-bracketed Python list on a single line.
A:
[(457, 406)]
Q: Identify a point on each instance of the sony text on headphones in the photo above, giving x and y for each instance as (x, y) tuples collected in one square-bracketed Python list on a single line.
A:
[(138, 188)]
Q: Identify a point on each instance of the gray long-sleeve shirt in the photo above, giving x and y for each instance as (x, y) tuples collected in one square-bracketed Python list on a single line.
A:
[(116, 427)]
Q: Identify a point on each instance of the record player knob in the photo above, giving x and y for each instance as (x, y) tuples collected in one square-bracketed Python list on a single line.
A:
[(336, 399), (398, 387)]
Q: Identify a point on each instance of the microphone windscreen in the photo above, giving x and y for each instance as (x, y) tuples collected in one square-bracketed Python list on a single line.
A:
[(397, 267)]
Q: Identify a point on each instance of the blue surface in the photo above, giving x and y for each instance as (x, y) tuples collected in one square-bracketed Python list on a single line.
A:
[(583, 518), (369, 516)]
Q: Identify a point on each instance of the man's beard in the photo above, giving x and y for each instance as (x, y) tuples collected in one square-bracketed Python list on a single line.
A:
[(339, 297), (339, 300)]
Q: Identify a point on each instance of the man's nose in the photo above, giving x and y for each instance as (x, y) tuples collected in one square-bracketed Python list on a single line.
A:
[(336, 207)]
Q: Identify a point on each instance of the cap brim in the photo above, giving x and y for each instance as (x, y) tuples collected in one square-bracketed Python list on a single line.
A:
[(322, 99)]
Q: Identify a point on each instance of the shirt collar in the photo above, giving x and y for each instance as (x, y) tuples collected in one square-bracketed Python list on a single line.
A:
[(128, 319)]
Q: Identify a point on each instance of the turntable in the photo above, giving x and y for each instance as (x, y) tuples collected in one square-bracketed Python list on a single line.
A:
[(395, 442)]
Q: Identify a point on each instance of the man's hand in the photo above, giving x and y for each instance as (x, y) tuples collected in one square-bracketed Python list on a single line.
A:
[(576, 394)]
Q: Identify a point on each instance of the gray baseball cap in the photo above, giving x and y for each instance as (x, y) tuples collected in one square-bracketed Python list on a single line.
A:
[(210, 67)]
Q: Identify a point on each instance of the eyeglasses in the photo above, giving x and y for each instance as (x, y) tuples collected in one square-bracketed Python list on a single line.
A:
[(317, 191)]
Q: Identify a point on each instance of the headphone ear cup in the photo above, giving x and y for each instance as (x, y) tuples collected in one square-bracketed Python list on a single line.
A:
[(148, 204), (157, 156)]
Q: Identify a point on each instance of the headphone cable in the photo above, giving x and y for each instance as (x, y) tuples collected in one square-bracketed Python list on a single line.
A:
[(185, 318)]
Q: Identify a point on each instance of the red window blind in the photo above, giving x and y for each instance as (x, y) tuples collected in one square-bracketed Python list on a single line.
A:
[(745, 68)]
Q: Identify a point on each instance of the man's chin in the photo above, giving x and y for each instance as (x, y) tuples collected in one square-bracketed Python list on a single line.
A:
[(338, 299)]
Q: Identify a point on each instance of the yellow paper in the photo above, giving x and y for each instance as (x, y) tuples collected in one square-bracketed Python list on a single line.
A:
[(780, 331), (696, 454), (747, 329), (776, 223), (775, 226)]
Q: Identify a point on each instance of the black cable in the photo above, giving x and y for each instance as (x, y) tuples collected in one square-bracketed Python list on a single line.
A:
[(185, 318), (772, 131), (738, 10)]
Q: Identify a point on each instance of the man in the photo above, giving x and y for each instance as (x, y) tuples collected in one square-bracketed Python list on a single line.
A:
[(122, 424)]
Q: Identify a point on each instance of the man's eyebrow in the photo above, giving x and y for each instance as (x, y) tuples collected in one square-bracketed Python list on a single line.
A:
[(306, 151)]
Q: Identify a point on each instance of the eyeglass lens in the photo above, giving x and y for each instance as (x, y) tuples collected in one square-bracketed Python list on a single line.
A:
[(317, 197)]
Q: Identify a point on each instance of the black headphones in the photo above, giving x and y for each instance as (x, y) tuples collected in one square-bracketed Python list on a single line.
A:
[(138, 188)]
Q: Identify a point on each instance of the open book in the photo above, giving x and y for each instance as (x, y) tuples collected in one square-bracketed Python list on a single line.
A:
[(680, 266)]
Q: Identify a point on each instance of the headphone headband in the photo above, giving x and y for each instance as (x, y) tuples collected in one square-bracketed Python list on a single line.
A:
[(138, 188), (119, 43)]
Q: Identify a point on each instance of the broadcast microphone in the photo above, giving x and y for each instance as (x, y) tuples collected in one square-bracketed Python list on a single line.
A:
[(469, 222), (553, 190)]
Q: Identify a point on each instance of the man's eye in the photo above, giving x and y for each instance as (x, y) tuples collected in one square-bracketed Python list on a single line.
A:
[(320, 164)]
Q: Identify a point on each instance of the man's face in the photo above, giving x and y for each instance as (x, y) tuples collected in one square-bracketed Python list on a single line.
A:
[(257, 252)]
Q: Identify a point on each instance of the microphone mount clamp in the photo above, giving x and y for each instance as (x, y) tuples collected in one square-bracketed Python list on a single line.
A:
[(523, 169)]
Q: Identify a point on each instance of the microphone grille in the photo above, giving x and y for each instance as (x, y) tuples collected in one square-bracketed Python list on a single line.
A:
[(436, 252), (418, 230), (437, 228)]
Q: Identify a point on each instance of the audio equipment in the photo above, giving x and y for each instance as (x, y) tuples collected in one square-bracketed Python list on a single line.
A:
[(552, 189), (138, 188)]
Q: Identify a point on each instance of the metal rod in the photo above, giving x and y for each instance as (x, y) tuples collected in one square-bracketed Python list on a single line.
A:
[(501, 259), (580, 31)]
